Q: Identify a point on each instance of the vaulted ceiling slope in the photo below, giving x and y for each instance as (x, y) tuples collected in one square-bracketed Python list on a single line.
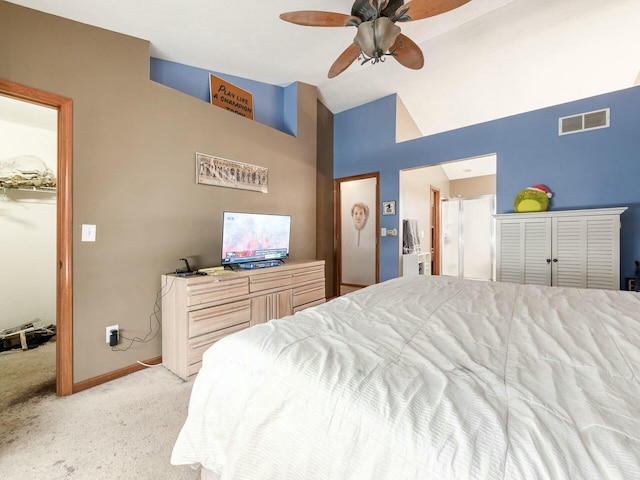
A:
[(484, 60)]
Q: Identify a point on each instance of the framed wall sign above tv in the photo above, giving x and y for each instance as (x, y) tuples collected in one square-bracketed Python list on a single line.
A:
[(222, 172)]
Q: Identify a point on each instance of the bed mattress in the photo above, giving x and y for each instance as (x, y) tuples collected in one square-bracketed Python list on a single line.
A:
[(426, 377)]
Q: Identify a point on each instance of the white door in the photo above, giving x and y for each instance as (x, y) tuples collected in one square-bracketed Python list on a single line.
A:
[(358, 214), (586, 252), (477, 236), (467, 237), (524, 250), (450, 237)]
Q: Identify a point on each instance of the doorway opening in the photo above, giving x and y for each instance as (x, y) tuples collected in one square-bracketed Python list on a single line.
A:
[(434, 198), (63, 249), (357, 253), (424, 189)]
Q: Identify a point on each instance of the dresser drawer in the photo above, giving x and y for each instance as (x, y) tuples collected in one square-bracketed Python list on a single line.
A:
[(299, 308), (267, 281), (218, 317), (308, 293), (305, 275), (198, 346), (204, 290)]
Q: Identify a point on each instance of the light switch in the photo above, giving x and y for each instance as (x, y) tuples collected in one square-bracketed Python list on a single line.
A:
[(88, 233), (383, 232)]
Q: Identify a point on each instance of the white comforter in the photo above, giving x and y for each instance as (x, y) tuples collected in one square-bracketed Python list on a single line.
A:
[(426, 378)]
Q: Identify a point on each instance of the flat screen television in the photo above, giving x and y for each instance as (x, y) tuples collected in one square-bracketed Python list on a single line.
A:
[(254, 237)]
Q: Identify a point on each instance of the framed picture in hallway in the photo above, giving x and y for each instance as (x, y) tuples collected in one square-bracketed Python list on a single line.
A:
[(389, 208)]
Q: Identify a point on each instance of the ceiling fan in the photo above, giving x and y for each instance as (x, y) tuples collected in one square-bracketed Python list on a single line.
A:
[(378, 35)]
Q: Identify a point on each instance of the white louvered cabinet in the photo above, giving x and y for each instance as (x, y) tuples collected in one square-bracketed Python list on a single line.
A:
[(569, 248)]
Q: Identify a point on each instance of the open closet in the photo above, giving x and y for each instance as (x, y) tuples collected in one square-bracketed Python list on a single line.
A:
[(35, 146), (28, 206)]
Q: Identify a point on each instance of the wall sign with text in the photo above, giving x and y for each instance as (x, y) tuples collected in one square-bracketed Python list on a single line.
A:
[(226, 95), (222, 172)]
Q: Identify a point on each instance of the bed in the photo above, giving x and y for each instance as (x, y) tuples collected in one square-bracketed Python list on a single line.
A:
[(426, 378)]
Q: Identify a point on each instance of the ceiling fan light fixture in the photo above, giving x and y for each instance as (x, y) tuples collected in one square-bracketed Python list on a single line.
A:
[(378, 36), (375, 38)]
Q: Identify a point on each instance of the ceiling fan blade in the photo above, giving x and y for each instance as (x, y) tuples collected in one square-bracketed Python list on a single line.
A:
[(312, 18), (407, 53), (419, 9), (345, 59)]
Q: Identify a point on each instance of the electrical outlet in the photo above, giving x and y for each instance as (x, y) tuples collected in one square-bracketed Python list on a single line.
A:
[(112, 327)]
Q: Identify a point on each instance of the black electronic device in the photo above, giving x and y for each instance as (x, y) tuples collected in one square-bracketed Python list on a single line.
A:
[(263, 264), (254, 237), (186, 262), (187, 272), (113, 338)]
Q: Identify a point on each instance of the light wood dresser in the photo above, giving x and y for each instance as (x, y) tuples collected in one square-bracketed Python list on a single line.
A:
[(199, 310)]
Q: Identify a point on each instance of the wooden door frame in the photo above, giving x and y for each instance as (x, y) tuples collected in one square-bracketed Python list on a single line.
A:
[(64, 226), (434, 199), (338, 224)]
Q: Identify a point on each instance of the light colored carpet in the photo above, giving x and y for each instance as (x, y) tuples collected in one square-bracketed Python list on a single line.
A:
[(27, 374), (124, 429)]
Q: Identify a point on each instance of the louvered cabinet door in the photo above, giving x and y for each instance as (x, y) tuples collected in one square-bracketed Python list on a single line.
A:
[(524, 250), (586, 252), (565, 248), (569, 260)]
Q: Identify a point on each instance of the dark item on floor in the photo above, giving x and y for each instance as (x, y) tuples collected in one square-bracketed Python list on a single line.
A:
[(25, 336)]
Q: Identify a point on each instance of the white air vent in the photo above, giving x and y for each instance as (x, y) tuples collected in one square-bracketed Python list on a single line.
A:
[(583, 122)]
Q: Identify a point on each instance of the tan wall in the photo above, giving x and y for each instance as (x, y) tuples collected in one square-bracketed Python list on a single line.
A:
[(134, 174), (406, 128), (325, 196), (474, 186)]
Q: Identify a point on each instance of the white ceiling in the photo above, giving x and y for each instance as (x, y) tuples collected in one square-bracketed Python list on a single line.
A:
[(25, 113), (485, 60), (470, 167)]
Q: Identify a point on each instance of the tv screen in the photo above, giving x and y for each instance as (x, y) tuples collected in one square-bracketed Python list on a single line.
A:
[(252, 237)]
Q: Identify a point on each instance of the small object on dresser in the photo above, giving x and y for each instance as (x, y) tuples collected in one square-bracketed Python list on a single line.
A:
[(210, 270), (187, 269)]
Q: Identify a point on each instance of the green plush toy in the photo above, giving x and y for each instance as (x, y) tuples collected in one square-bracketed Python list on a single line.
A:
[(532, 199)]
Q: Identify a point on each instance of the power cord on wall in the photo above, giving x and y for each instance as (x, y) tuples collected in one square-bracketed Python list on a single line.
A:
[(157, 310)]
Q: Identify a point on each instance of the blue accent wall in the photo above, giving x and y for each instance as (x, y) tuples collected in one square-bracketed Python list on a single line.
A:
[(291, 109), (593, 169), (273, 106)]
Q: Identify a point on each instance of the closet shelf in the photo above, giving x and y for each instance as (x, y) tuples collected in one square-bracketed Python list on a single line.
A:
[(4, 189)]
